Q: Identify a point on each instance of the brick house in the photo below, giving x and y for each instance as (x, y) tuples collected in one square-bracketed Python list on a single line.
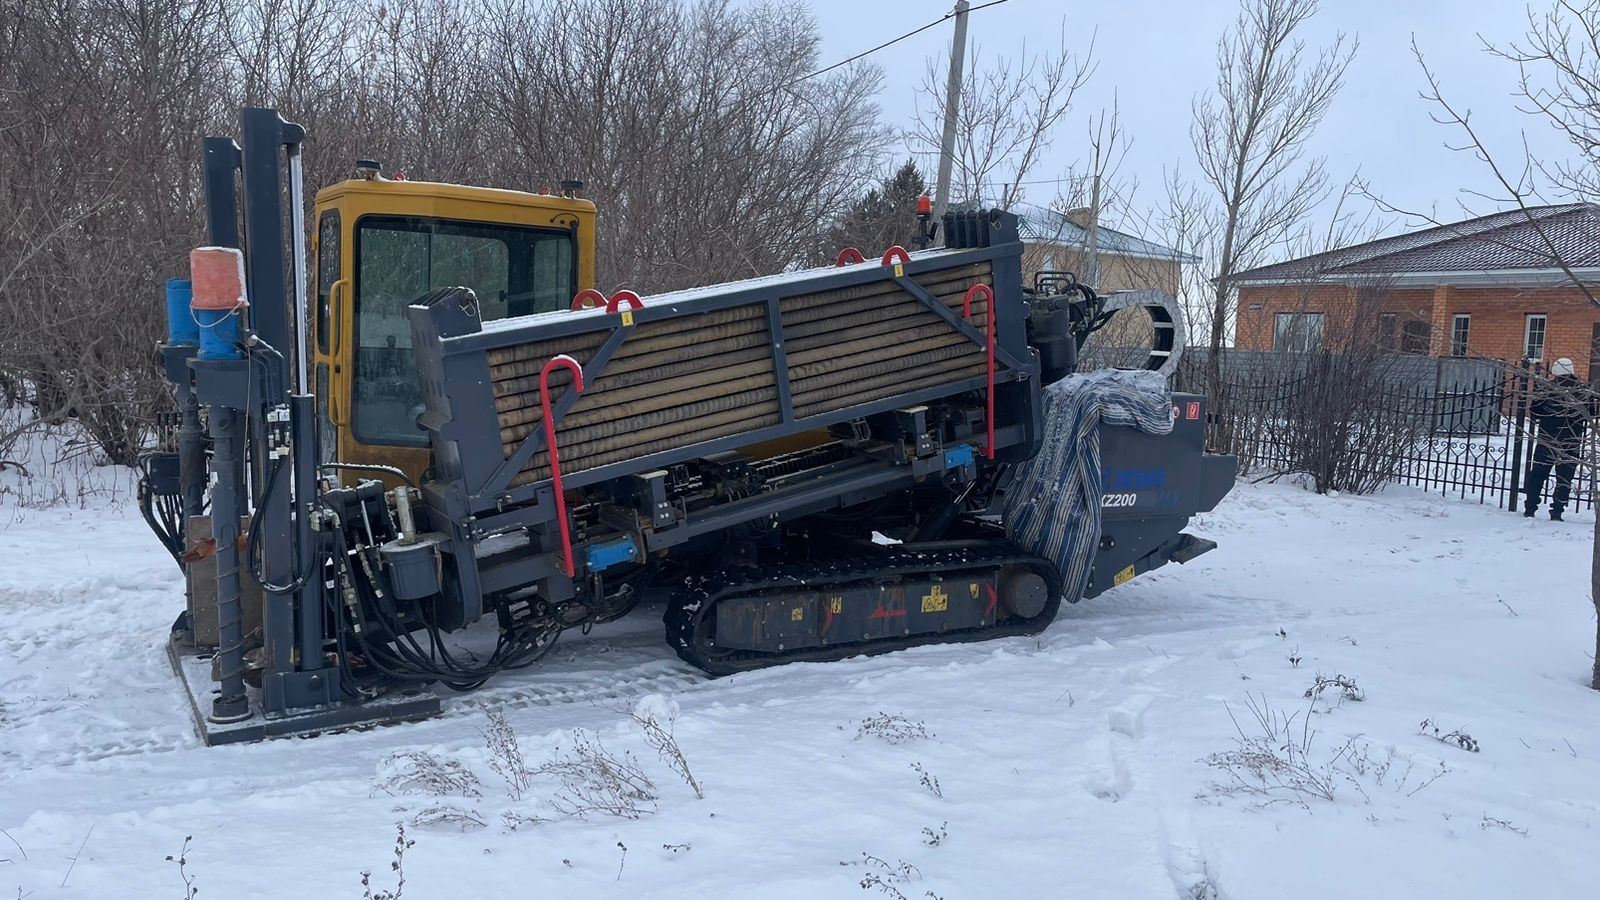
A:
[(1486, 288), (1060, 240)]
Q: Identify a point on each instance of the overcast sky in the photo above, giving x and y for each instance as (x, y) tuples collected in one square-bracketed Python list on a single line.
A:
[(1156, 55)]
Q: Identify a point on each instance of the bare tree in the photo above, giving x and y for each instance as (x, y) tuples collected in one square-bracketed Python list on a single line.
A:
[(1558, 62), (1008, 116), (711, 151), (696, 126), (1249, 134)]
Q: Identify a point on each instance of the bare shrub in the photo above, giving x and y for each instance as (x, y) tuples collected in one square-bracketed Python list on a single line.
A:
[(927, 779), (661, 739), (1277, 759), (892, 729), (511, 820), (449, 814), (591, 779), (505, 756), (883, 876), (1344, 420), (420, 772), (1274, 760), (182, 862), (934, 838), (397, 866), (1488, 822), (1456, 738), (1343, 687)]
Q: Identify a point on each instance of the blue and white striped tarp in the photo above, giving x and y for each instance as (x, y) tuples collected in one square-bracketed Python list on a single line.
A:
[(1052, 506)]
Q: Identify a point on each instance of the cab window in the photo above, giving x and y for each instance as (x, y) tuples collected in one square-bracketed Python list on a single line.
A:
[(327, 274), (515, 271)]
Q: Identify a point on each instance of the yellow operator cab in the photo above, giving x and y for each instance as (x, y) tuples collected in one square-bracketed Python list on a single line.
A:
[(379, 245)]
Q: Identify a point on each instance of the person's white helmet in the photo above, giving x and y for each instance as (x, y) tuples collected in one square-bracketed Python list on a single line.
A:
[(1562, 366)]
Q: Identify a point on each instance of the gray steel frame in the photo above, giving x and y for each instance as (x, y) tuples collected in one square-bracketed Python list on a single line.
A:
[(452, 356), (300, 690)]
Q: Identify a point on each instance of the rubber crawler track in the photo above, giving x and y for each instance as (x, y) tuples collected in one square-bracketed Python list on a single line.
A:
[(692, 604)]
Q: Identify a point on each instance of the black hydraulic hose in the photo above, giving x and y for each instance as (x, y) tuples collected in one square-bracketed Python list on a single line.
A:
[(405, 658), (253, 545), (163, 526)]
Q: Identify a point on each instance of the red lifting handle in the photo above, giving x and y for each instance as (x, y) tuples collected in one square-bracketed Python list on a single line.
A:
[(617, 298), (966, 313), (560, 362), (588, 294), (847, 256), (899, 251)]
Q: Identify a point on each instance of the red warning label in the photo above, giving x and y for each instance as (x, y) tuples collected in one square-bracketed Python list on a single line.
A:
[(1194, 409)]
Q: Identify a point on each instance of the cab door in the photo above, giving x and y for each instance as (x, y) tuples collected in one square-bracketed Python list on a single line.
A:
[(373, 263), (328, 302)]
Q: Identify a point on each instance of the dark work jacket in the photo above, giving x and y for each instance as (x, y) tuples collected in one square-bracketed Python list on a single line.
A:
[(1563, 408)]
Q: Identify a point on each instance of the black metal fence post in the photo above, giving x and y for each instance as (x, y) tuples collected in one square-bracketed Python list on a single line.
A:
[(1519, 405)]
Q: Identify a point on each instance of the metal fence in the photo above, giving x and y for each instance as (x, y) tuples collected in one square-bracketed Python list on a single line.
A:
[(1457, 427)]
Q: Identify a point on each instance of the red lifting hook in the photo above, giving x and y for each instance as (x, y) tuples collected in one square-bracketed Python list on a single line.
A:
[(897, 250), (588, 294), (966, 313), (566, 362), (847, 256), (633, 301)]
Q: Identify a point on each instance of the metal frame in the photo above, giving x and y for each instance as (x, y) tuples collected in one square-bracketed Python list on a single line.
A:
[(452, 349), (300, 690)]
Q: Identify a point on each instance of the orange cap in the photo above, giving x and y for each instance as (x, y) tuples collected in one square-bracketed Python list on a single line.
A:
[(218, 276)]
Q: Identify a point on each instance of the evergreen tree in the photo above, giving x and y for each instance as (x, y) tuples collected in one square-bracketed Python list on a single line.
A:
[(886, 215)]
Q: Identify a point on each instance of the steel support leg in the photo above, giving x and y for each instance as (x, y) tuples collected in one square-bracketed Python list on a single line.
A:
[(231, 704)]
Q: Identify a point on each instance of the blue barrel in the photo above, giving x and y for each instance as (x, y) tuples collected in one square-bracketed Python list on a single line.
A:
[(219, 334), (181, 327)]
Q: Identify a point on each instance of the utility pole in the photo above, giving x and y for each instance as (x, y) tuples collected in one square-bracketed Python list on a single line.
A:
[(952, 103)]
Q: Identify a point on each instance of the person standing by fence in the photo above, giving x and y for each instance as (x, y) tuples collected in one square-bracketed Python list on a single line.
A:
[(1563, 407)]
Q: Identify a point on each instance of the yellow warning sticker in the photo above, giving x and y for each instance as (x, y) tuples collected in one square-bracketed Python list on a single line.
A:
[(1122, 576), (836, 605), (798, 614), (899, 270), (972, 590), (627, 318), (936, 600)]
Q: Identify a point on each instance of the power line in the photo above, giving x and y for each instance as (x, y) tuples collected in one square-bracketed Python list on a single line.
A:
[(949, 15)]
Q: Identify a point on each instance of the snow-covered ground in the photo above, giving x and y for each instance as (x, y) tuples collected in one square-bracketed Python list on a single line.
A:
[(1070, 765)]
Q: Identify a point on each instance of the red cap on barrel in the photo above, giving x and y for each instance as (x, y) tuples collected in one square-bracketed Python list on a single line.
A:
[(218, 276)]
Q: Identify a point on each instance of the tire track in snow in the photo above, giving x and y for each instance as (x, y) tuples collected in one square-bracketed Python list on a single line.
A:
[(562, 685)]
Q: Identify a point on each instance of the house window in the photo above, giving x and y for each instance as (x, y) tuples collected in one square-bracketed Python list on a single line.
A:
[(1297, 332), (1415, 338), (1386, 331), (1533, 336), (1460, 331)]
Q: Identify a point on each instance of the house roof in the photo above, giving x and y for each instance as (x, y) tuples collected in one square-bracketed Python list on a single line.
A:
[(1041, 225), (1515, 242)]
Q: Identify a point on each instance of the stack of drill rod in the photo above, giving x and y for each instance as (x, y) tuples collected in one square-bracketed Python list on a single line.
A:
[(704, 375)]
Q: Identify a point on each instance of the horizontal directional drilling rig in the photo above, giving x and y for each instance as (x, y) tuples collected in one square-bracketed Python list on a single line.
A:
[(806, 466)]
